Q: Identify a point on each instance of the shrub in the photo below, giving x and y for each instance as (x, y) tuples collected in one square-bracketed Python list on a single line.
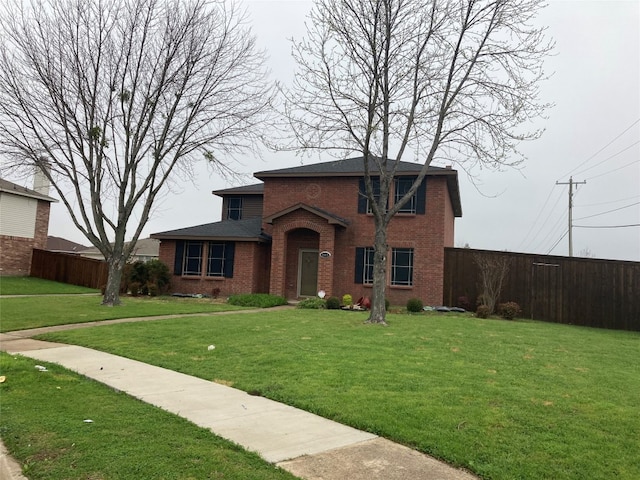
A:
[(509, 310), (139, 276), (152, 289), (215, 292), (347, 300), (257, 300), (414, 305), (312, 303), (333, 303), (483, 311), (134, 288), (387, 304)]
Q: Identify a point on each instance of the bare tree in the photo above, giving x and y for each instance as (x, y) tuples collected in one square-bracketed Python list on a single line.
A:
[(493, 272), (116, 96), (428, 79)]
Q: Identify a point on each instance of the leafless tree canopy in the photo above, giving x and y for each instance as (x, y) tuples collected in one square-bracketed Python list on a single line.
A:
[(116, 95), (493, 271), (424, 79)]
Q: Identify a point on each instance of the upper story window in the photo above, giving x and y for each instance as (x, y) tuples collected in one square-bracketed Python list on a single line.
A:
[(402, 186), (364, 205), (234, 208)]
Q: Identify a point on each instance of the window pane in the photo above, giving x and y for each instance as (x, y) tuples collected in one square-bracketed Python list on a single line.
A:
[(192, 264), (215, 263), (367, 276), (402, 266), (234, 208), (375, 185), (402, 186)]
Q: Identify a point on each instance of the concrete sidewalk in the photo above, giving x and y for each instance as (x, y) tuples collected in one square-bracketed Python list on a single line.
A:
[(309, 446)]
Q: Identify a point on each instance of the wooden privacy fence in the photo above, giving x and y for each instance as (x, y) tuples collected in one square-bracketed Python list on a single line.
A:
[(579, 291), (66, 268)]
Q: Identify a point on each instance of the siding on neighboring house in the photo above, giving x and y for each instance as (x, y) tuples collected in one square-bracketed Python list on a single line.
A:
[(18, 241)]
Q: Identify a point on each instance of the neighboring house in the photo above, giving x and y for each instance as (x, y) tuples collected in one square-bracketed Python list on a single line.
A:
[(146, 249), (62, 245), (307, 228), (24, 224)]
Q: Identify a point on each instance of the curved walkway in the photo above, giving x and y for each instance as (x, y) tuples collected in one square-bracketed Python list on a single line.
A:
[(308, 446)]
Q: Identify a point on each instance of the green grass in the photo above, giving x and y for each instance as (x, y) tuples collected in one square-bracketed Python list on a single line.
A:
[(42, 424), (30, 312), (38, 286), (508, 400)]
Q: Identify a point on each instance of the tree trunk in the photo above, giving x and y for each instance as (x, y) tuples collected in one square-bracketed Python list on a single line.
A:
[(378, 308), (112, 290)]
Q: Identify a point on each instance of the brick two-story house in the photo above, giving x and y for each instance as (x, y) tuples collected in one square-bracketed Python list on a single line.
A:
[(307, 228)]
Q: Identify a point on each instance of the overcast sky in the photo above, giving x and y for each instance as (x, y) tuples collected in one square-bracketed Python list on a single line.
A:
[(592, 134)]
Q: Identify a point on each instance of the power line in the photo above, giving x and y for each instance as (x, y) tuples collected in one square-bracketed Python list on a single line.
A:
[(609, 158), (614, 170), (608, 226), (556, 244), (532, 239), (609, 211), (536, 220), (616, 138), (571, 183), (608, 203)]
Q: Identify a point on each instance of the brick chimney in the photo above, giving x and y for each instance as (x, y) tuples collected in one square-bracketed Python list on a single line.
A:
[(41, 183)]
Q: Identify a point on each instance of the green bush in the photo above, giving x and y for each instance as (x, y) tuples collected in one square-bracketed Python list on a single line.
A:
[(414, 305), (347, 300), (257, 300), (312, 303), (333, 303), (150, 278), (509, 310), (483, 311)]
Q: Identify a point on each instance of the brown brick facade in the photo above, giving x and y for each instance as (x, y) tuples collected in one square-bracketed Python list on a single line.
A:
[(15, 252), (427, 234), (251, 271)]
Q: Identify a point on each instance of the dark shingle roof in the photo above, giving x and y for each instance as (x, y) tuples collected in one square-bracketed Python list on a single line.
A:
[(354, 167), (10, 187), (347, 167), (255, 189), (239, 230)]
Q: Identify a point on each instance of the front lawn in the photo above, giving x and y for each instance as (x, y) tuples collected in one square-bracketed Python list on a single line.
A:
[(38, 286), (32, 312), (525, 400), (62, 426)]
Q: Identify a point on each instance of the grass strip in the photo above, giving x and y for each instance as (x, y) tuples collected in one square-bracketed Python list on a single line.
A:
[(38, 286), (31, 312), (44, 424), (526, 400)]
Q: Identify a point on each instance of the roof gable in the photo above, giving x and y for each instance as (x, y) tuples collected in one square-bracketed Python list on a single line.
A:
[(328, 216)]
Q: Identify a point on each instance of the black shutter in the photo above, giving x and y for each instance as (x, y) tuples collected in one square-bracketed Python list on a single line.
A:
[(179, 255), (362, 197), (229, 255), (421, 197), (359, 265)]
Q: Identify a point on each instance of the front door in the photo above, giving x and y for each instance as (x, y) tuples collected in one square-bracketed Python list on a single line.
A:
[(308, 273)]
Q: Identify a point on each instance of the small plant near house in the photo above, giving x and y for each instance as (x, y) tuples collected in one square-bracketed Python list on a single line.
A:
[(257, 300), (347, 300), (333, 303), (509, 310), (483, 311), (134, 288), (414, 305), (312, 303), (215, 292)]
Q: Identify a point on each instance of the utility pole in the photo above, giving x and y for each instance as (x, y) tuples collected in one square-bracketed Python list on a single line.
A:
[(571, 183)]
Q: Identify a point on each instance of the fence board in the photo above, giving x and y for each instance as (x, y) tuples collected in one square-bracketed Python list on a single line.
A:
[(580, 291), (67, 268)]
